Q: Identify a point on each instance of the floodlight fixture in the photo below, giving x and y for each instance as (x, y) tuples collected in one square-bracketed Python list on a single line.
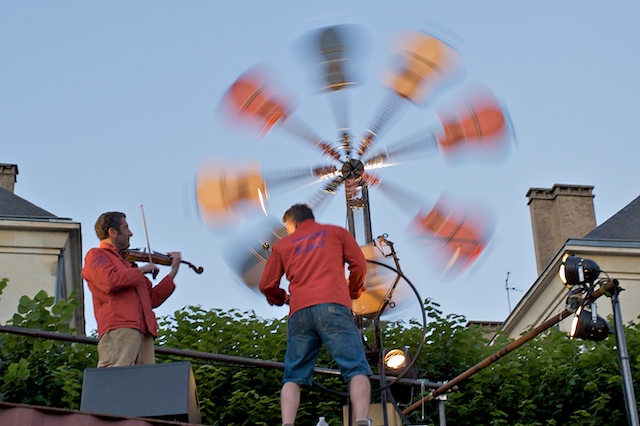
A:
[(395, 359), (588, 325), (576, 270)]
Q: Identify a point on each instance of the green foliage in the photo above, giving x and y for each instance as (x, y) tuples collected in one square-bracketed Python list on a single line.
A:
[(548, 381), (234, 394), (43, 372), (3, 283)]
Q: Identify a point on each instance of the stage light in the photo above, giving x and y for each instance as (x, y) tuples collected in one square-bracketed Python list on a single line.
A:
[(588, 325), (395, 359), (396, 362), (577, 270)]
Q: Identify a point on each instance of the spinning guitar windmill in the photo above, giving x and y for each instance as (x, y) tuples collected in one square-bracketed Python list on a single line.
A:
[(478, 126)]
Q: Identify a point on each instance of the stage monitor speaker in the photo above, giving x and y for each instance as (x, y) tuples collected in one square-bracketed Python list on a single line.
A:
[(160, 391)]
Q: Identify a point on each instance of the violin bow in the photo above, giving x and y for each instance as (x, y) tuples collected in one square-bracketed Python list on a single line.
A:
[(146, 234)]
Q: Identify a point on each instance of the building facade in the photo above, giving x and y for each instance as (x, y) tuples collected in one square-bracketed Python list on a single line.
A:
[(38, 251), (563, 222)]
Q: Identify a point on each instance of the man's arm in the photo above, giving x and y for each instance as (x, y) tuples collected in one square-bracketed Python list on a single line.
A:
[(354, 257), (165, 288), (161, 292), (270, 281)]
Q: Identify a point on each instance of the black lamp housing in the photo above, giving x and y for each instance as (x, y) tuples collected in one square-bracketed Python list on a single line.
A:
[(578, 270), (402, 359), (591, 326)]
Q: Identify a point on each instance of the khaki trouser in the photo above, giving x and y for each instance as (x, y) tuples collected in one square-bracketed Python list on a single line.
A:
[(125, 346)]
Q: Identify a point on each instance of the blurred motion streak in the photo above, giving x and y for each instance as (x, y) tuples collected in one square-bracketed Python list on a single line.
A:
[(379, 284), (226, 194), (425, 62), (477, 127), (332, 52), (247, 249), (454, 234), (250, 98)]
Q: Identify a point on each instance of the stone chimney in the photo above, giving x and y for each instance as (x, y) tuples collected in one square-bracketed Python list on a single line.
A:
[(557, 214), (8, 176)]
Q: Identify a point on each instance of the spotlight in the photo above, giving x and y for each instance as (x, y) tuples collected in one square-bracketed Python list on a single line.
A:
[(577, 270), (588, 325), (396, 362), (395, 359)]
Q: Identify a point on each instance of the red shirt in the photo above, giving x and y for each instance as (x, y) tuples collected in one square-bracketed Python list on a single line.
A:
[(313, 259), (122, 296)]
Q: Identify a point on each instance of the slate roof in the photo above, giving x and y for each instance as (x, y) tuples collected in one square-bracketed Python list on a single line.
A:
[(13, 207), (622, 226)]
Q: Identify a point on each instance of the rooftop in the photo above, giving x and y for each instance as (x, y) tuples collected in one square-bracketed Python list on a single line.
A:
[(622, 226), (13, 206)]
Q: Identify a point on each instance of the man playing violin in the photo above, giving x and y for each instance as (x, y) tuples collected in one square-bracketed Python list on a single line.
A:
[(123, 297)]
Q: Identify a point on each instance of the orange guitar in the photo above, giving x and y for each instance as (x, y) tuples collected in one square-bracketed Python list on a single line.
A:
[(250, 98), (425, 61), (224, 193)]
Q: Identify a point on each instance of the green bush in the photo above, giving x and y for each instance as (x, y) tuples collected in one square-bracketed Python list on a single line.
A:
[(44, 371), (549, 380)]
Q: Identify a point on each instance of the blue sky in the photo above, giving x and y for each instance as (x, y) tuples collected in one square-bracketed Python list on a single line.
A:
[(107, 106)]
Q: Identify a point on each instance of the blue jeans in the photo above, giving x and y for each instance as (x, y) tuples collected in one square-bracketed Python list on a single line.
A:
[(327, 323)]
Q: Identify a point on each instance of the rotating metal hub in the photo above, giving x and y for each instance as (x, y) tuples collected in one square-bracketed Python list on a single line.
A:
[(352, 169)]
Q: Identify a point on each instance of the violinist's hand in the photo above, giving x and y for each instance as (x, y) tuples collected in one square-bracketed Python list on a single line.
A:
[(149, 268), (176, 258)]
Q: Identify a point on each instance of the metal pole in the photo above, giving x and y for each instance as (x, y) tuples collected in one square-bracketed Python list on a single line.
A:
[(506, 287), (625, 368), (441, 414), (229, 359), (381, 372), (366, 214)]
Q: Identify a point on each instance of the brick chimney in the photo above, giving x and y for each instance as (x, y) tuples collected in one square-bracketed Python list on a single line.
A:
[(557, 214), (8, 176)]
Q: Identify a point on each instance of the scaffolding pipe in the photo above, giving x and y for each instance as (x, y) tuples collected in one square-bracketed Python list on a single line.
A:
[(253, 362)]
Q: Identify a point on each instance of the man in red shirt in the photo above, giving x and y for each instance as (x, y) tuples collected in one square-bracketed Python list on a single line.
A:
[(313, 257), (123, 298)]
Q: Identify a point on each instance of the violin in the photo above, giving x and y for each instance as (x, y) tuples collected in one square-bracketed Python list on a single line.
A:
[(137, 255)]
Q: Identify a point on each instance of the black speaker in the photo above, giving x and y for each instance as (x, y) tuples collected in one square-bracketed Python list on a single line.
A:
[(160, 391)]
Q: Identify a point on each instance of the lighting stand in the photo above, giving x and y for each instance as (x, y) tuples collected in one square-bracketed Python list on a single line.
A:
[(358, 201), (385, 393), (625, 368), (441, 413)]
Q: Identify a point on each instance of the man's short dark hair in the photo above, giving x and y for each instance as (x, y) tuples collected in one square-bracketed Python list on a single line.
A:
[(106, 221), (297, 213)]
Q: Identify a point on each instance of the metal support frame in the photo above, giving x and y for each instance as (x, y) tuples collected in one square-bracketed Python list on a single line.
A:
[(354, 203), (361, 203)]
